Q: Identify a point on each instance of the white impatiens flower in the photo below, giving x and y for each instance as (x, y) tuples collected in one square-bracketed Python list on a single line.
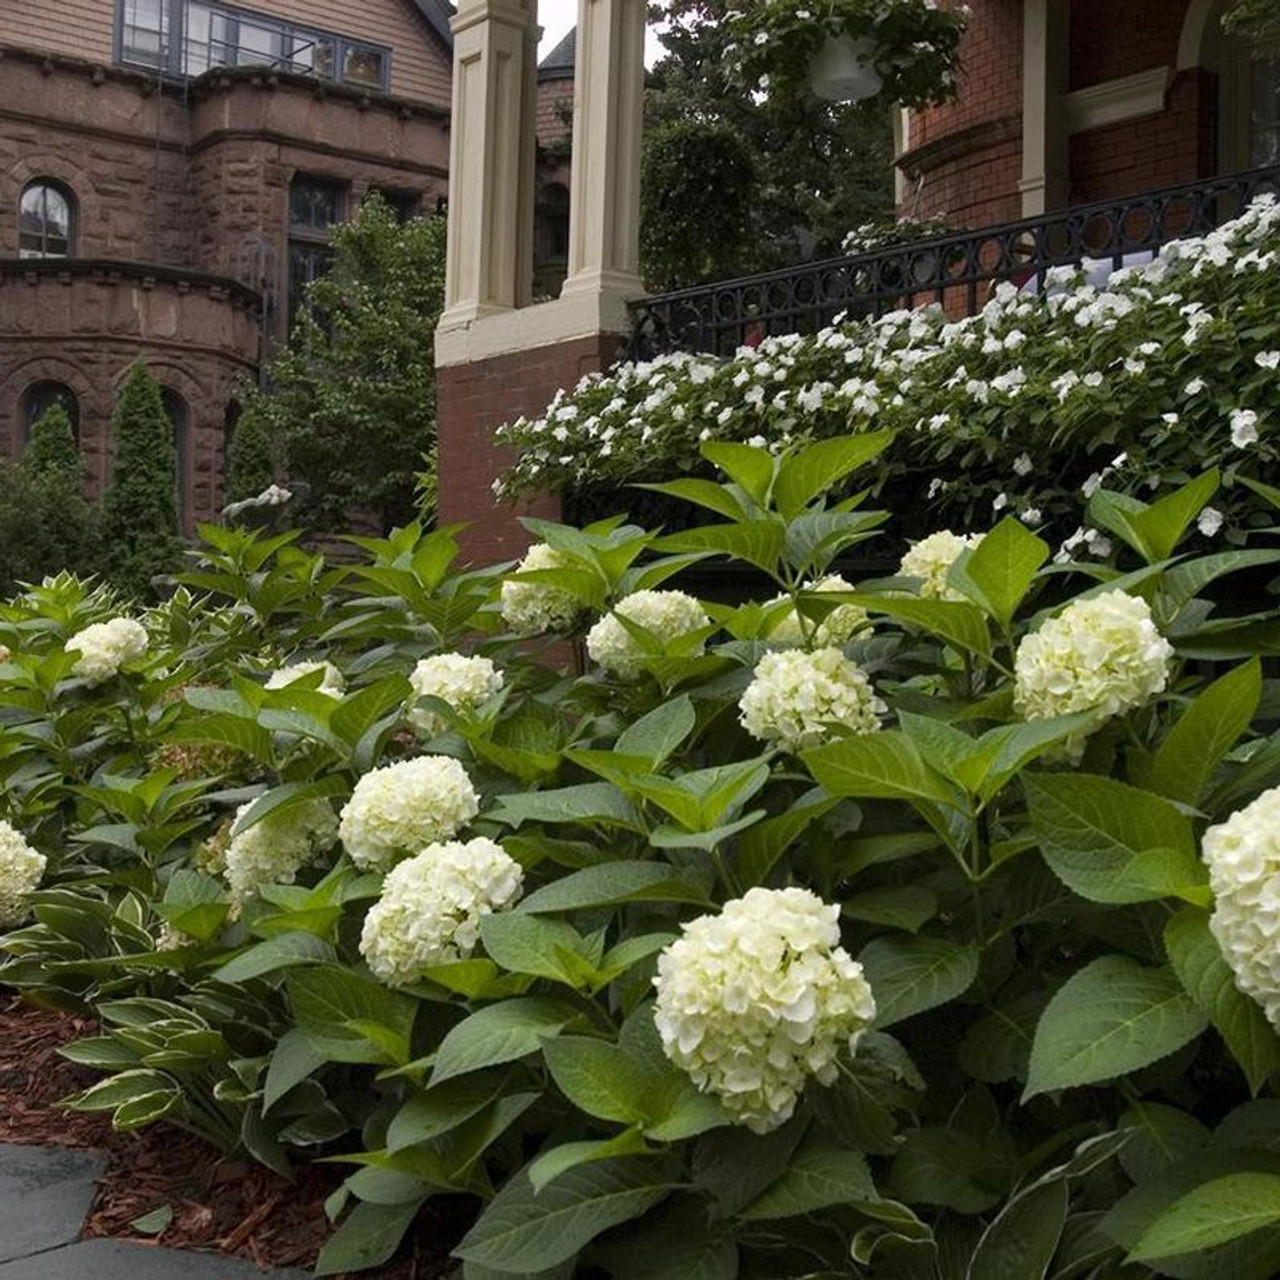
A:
[(835, 629), (1101, 654), (1209, 521), (20, 870), (275, 849), (664, 614), (1244, 427), (533, 607), (401, 808), (432, 905), (105, 647), (331, 684), (795, 698), (1243, 858), (464, 683), (931, 559), (756, 1000), (1268, 359)]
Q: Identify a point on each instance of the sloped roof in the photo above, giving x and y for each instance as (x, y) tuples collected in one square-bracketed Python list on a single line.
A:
[(438, 13), (559, 63)]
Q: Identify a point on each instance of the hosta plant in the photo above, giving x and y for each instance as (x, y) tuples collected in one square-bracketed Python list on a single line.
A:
[(918, 927)]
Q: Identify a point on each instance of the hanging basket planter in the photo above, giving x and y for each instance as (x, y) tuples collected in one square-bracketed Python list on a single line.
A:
[(874, 51)]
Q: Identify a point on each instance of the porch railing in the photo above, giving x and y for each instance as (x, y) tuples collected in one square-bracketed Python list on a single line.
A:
[(956, 270)]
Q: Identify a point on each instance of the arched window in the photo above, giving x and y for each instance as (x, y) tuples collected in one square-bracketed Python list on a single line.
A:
[(46, 220), (175, 408), (41, 396)]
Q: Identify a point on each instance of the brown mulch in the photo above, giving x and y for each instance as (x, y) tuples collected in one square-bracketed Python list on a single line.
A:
[(219, 1204)]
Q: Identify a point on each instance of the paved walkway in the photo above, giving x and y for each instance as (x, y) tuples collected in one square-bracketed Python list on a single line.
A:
[(45, 1196)]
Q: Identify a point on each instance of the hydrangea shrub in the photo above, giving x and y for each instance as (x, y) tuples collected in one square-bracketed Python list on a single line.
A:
[(918, 928)]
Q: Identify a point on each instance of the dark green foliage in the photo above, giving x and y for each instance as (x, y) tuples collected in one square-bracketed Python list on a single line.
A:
[(253, 455), (1257, 19), (45, 523), (140, 522), (52, 449), (821, 169), (351, 396), (697, 188)]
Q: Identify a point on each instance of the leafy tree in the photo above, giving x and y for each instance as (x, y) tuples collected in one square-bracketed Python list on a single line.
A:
[(350, 398), (253, 455), (52, 450), (698, 188), (45, 522), (1257, 19), (139, 509), (821, 169)]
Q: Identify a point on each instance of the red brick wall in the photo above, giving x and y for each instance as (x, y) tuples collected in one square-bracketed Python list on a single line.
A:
[(968, 153), (474, 399)]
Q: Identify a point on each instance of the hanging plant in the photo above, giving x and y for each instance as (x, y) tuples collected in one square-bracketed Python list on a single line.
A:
[(903, 51)]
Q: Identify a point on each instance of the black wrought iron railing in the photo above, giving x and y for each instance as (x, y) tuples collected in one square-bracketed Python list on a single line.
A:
[(956, 270)]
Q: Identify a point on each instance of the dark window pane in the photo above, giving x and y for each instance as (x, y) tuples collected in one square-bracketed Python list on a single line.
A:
[(307, 262), (144, 36), (175, 408), (363, 66), (405, 204), (314, 205), (44, 222)]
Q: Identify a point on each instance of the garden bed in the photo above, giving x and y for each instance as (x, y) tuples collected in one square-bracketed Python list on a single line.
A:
[(230, 1206)]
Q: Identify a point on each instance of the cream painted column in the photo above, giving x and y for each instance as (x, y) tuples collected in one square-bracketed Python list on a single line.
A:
[(608, 121), (489, 265), (1046, 52)]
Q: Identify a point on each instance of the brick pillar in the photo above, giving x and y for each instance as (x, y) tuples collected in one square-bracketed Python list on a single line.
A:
[(474, 398)]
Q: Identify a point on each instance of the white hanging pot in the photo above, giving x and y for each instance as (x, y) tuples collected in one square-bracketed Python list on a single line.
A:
[(841, 71)]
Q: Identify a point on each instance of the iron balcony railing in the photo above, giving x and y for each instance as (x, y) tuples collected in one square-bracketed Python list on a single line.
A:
[(956, 270)]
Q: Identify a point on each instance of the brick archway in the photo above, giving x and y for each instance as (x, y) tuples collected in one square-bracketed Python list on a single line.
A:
[(59, 169), (26, 375)]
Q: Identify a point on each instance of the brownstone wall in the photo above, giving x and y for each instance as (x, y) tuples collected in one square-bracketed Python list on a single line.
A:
[(474, 399), (84, 327)]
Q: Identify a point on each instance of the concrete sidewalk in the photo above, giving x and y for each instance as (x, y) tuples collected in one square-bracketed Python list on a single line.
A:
[(45, 1195)]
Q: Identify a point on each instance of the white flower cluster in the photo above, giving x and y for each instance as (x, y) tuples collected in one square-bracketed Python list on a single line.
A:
[(332, 684), (275, 849), (1101, 654), (401, 808), (533, 607), (795, 698), (836, 629), (464, 683), (1243, 857), (20, 870), (664, 614), (432, 905), (931, 559), (105, 647), (754, 1001)]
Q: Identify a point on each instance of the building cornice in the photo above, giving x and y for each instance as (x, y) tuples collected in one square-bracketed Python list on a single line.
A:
[(222, 79), (113, 271), (1114, 101)]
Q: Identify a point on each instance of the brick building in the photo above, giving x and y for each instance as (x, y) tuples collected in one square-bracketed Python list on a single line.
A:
[(169, 173), (1065, 102)]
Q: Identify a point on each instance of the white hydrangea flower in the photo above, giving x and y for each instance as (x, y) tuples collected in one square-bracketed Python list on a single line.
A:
[(105, 647), (533, 607), (275, 849), (21, 868), (1243, 858), (464, 683), (401, 808), (332, 684), (756, 1000), (795, 698), (835, 629), (1101, 654), (666, 614), (931, 559), (432, 905)]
